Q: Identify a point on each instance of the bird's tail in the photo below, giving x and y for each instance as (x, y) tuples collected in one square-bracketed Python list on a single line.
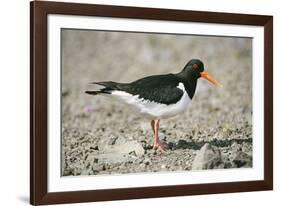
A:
[(109, 86), (94, 92)]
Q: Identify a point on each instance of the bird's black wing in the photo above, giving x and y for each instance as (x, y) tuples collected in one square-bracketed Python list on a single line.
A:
[(159, 88)]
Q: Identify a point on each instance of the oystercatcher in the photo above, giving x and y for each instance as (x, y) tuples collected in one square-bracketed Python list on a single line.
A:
[(159, 96)]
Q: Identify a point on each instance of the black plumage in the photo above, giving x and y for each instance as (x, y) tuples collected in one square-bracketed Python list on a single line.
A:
[(158, 88)]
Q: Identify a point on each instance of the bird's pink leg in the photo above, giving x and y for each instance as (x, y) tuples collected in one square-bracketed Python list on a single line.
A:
[(152, 126), (157, 143)]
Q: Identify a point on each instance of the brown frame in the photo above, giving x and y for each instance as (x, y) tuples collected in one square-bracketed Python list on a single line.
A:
[(38, 102)]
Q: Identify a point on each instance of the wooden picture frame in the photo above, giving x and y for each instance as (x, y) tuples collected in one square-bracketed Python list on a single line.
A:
[(39, 11)]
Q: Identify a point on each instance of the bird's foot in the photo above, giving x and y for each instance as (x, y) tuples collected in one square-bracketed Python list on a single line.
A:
[(161, 146)]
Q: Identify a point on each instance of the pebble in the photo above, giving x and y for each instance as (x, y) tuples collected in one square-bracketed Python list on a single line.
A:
[(206, 158), (242, 160), (147, 161)]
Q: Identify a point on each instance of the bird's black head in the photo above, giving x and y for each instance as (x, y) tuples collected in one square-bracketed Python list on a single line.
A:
[(194, 69), (195, 66)]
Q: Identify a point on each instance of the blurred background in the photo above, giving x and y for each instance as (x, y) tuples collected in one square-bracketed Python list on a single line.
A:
[(94, 127)]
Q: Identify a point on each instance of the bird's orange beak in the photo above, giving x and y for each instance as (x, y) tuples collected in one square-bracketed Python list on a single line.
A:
[(206, 76)]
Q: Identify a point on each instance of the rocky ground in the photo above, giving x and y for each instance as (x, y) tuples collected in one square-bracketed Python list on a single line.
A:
[(103, 137)]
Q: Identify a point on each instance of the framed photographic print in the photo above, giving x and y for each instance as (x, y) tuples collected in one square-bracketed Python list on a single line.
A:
[(131, 102)]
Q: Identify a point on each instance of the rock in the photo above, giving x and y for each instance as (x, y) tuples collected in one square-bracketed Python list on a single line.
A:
[(242, 160), (129, 147), (112, 140), (105, 144), (207, 158), (142, 165), (92, 158), (236, 147), (133, 153), (147, 161), (97, 167), (132, 147), (226, 163)]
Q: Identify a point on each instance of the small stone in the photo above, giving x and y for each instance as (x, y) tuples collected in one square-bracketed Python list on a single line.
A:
[(112, 140), (127, 148), (104, 167), (236, 147), (147, 161), (133, 153), (91, 159), (142, 165), (242, 160), (94, 148), (106, 143), (207, 158)]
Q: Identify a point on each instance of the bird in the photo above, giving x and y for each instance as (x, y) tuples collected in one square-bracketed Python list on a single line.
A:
[(158, 97)]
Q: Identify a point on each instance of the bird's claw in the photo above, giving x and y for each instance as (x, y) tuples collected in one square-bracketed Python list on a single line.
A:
[(161, 146)]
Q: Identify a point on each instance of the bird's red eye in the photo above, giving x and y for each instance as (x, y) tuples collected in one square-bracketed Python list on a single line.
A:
[(195, 66)]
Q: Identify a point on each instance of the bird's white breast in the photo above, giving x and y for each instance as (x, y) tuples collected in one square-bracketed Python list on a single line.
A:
[(151, 109)]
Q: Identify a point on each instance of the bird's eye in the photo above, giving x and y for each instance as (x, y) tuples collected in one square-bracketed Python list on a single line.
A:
[(195, 66)]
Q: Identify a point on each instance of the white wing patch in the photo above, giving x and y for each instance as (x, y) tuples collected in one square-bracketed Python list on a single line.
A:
[(151, 109), (181, 86)]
